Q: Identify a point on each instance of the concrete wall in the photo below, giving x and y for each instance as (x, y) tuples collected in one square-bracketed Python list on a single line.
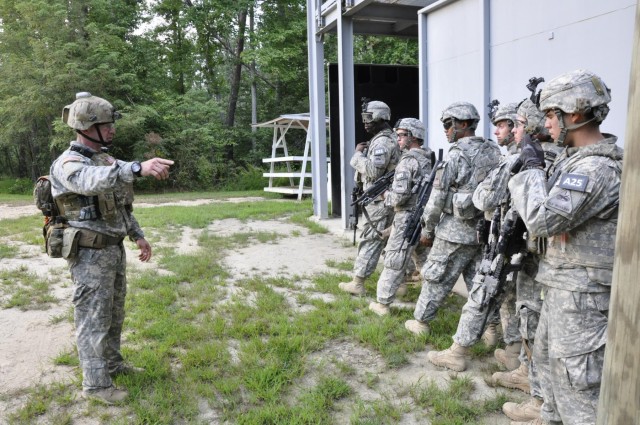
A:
[(527, 38)]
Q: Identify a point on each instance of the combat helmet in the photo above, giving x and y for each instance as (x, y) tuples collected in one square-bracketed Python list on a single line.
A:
[(413, 125), (88, 110), (534, 116), (578, 91), (505, 112), (461, 111), (375, 111)]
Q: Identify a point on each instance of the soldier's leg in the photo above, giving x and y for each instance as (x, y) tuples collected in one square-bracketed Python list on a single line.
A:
[(397, 255), (548, 411), (444, 265), (372, 243), (112, 349), (93, 274), (474, 318), (577, 338)]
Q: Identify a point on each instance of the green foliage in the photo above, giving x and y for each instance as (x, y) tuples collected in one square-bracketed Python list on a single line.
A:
[(21, 187)]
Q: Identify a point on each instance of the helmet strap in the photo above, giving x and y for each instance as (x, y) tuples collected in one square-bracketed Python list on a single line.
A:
[(106, 146), (564, 129)]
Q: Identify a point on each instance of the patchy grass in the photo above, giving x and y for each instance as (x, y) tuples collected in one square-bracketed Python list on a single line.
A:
[(25, 290), (238, 350)]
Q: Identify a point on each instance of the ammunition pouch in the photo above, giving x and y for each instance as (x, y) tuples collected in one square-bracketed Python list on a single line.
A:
[(462, 205), (95, 240), (54, 238), (70, 238)]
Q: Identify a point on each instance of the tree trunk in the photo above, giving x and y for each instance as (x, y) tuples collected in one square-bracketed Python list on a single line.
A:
[(236, 75)]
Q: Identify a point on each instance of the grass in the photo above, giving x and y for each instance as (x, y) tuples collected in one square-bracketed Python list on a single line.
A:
[(239, 350), (23, 289)]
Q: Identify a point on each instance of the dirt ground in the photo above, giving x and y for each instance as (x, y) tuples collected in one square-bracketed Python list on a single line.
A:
[(29, 340)]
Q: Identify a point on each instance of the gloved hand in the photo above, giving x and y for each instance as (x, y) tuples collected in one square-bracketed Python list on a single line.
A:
[(532, 156)]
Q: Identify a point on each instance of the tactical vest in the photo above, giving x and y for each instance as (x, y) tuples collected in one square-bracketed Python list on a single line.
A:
[(592, 244), (424, 168), (482, 158), (75, 207)]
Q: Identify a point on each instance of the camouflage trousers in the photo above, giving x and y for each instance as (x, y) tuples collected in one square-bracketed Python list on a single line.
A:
[(445, 263), (371, 243), (569, 353), (418, 258), (474, 318), (100, 287), (528, 305), (398, 254)]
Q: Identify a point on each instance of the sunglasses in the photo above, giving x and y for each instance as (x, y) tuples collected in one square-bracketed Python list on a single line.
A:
[(447, 124), (402, 134)]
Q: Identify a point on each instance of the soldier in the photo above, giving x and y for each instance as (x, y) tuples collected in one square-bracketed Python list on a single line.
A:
[(487, 196), (503, 118), (576, 209), (414, 163), (455, 247), (372, 160), (522, 372), (94, 194)]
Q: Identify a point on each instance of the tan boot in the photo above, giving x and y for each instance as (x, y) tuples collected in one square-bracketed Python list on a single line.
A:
[(517, 379), (355, 287), (379, 309), (526, 411), (509, 356), (417, 327), (490, 335), (109, 395), (454, 357), (402, 290)]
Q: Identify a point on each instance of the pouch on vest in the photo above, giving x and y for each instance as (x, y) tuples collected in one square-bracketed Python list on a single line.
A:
[(107, 205), (70, 238), (54, 240), (463, 205)]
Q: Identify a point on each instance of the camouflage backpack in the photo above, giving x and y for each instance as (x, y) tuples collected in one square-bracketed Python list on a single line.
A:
[(54, 223)]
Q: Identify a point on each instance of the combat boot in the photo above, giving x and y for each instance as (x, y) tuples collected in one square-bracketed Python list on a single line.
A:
[(402, 290), (526, 411), (108, 395), (355, 287), (414, 278), (454, 357), (490, 335), (417, 327), (379, 309), (517, 379), (509, 356)]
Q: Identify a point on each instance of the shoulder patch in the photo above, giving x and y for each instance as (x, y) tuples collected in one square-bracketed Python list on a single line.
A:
[(379, 151), (574, 182), (561, 201), (72, 159)]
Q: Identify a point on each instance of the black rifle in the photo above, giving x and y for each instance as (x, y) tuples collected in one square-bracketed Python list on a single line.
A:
[(502, 257), (376, 189), (414, 222), (353, 218)]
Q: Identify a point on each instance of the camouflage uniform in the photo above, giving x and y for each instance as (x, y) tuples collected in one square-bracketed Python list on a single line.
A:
[(455, 249), (382, 156), (577, 211), (81, 177), (489, 194), (413, 166)]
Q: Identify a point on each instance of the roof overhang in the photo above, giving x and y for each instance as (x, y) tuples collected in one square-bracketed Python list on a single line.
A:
[(374, 17)]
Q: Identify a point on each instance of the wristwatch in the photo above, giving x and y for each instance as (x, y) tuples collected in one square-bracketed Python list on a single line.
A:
[(136, 168)]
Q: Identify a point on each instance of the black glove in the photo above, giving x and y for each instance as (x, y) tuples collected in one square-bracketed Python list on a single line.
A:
[(532, 156)]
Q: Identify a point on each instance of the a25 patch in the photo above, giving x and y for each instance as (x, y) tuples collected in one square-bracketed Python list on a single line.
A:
[(574, 182)]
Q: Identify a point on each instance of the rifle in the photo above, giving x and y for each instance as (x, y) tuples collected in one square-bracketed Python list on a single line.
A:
[(414, 222), (502, 257), (353, 218), (376, 189)]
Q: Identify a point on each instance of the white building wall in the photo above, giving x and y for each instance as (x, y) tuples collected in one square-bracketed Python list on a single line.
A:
[(454, 63), (541, 38)]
